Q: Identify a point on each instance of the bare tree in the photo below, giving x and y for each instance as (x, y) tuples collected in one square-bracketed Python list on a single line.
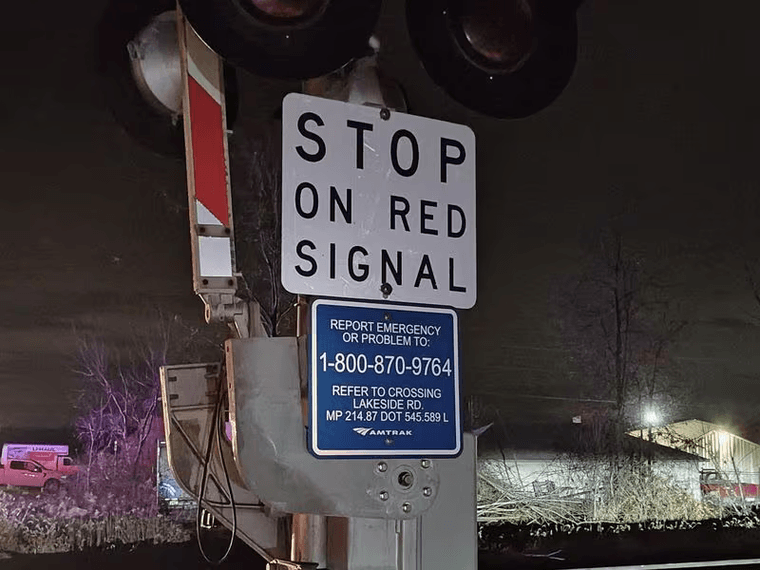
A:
[(89, 427), (658, 381), (119, 399), (118, 404), (256, 196), (619, 322), (600, 314)]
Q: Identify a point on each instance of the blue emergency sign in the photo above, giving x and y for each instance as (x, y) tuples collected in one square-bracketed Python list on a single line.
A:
[(384, 381)]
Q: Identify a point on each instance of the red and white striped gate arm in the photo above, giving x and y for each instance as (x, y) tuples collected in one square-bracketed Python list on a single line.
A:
[(207, 164)]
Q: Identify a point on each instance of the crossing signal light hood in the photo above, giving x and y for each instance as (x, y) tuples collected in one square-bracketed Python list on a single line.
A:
[(504, 58)]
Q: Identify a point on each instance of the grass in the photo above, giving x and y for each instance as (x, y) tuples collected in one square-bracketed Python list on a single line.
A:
[(36, 523)]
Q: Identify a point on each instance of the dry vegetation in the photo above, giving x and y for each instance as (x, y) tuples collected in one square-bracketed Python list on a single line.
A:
[(113, 499), (590, 492), (34, 522), (502, 499)]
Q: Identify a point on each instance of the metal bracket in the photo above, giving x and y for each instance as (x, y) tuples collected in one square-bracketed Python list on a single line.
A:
[(189, 395), (243, 317), (361, 83), (227, 309), (269, 443)]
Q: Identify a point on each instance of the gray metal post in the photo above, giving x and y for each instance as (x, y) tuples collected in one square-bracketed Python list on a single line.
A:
[(309, 531)]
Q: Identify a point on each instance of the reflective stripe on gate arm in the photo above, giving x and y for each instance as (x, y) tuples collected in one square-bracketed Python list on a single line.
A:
[(207, 161), (208, 153)]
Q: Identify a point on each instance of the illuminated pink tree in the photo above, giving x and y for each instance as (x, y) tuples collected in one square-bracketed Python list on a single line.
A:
[(120, 400)]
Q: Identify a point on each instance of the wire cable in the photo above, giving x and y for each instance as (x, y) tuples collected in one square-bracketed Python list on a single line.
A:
[(233, 506), (213, 431)]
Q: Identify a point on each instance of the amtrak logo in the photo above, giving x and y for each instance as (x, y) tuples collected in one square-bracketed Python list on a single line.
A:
[(362, 431)]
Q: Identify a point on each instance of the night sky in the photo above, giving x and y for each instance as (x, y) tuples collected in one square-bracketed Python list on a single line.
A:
[(660, 117)]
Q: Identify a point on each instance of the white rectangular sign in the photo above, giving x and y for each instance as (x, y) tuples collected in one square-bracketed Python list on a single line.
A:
[(377, 204)]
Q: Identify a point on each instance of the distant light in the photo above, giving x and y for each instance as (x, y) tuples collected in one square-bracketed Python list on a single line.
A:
[(651, 418)]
